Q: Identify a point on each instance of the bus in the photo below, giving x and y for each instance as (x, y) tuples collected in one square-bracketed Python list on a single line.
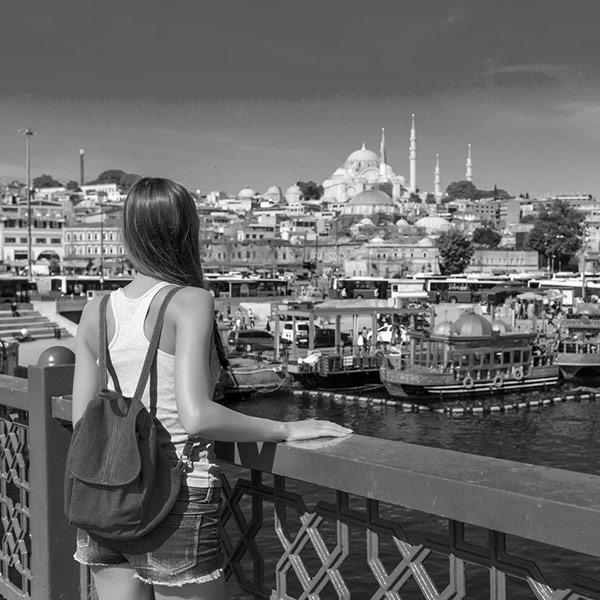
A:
[(16, 288), (359, 287), (224, 286), (459, 289), (81, 285)]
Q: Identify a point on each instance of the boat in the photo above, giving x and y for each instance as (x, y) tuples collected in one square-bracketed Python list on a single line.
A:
[(473, 355), (577, 350), (325, 345), (249, 376)]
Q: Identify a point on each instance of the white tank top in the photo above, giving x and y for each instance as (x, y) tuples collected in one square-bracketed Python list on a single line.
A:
[(128, 349)]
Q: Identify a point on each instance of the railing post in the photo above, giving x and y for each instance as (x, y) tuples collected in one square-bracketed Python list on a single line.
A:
[(56, 574)]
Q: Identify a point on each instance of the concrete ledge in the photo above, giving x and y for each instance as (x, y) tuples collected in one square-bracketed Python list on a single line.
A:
[(553, 506)]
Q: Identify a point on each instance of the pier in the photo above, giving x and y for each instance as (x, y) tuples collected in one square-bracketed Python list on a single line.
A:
[(488, 517)]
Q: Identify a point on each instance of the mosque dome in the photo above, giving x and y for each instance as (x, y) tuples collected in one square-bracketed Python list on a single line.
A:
[(371, 197), (362, 155), (293, 189), (274, 189), (472, 325), (434, 224), (247, 193), (366, 222), (402, 223), (443, 328), (501, 327), (377, 241)]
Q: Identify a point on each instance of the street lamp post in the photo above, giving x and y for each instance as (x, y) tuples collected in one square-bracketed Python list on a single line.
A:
[(100, 199), (28, 133)]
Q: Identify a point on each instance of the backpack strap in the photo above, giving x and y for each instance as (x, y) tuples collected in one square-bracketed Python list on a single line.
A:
[(105, 363), (151, 354)]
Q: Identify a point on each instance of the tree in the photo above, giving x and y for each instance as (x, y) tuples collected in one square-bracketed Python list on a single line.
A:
[(557, 231), (122, 179), (73, 186), (310, 190), (486, 236), (464, 190), (455, 251), (46, 181)]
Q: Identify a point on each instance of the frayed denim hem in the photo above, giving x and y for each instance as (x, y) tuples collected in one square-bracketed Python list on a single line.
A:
[(92, 564), (202, 579)]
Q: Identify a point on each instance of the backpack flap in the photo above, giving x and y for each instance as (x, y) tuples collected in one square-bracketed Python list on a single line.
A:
[(96, 456)]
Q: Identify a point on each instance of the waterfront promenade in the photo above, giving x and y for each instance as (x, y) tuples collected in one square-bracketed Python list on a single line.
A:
[(350, 536)]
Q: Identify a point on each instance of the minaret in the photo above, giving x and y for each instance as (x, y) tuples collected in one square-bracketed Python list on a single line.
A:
[(413, 157), (469, 173), (81, 165), (437, 190), (382, 157)]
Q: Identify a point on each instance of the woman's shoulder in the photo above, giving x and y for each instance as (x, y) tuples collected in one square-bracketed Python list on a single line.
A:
[(193, 300)]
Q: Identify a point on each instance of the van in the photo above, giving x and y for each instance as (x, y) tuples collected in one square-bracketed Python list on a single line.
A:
[(250, 340), (287, 330)]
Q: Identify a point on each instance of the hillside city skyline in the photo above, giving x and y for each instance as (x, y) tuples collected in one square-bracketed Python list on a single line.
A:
[(284, 93)]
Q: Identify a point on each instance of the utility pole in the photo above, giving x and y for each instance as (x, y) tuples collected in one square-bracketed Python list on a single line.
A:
[(28, 133)]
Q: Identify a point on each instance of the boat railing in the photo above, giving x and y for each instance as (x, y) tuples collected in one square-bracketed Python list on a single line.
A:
[(323, 518)]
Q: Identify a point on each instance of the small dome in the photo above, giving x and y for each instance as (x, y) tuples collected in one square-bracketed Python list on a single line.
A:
[(402, 223), (274, 189), (294, 189), (363, 155), (377, 240), (434, 224), (501, 326), (371, 197), (472, 325), (247, 193), (366, 222), (444, 328)]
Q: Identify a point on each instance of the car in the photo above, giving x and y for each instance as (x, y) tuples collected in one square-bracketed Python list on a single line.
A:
[(250, 340)]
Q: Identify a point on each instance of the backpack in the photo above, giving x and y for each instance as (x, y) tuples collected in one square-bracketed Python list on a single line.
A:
[(119, 481)]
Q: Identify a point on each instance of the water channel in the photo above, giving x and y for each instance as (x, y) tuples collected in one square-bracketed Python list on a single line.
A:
[(564, 435)]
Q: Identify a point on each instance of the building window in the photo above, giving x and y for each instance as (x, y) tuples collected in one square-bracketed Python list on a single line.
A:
[(10, 240), (55, 240), (68, 236), (23, 240), (40, 240)]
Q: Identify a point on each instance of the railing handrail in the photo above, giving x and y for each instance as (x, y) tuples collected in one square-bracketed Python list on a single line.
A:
[(549, 505)]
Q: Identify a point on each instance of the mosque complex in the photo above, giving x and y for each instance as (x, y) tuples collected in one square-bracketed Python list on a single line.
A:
[(366, 184)]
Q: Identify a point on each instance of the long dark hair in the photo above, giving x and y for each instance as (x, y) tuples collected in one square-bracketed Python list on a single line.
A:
[(161, 231)]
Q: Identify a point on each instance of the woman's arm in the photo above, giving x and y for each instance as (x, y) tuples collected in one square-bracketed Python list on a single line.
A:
[(193, 311), (85, 381)]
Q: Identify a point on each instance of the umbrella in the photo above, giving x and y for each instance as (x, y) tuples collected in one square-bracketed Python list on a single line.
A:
[(530, 296)]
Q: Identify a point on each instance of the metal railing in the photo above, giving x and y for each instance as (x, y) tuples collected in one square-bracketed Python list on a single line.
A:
[(322, 518)]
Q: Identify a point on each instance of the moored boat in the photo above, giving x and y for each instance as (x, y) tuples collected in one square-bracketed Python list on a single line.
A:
[(248, 376), (470, 356), (577, 351)]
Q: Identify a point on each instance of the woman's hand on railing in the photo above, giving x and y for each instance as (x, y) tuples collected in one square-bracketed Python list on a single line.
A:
[(313, 428)]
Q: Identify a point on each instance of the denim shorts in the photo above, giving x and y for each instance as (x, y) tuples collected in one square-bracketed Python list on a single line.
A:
[(184, 548)]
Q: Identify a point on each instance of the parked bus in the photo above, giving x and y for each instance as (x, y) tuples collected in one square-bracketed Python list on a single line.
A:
[(459, 289), (16, 288), (224, 286), (359, 287), (80, 285)]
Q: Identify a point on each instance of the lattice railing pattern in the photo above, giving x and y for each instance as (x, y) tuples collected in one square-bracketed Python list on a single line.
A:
[(15, 540), (313, 548)]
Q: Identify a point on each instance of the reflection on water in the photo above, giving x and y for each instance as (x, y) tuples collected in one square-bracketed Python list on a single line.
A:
[(565, 435)]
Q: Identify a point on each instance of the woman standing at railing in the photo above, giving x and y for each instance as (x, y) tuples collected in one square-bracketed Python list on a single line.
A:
[(180, 558)]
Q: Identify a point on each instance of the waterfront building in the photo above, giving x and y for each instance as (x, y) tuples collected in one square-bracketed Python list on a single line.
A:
[(371, 202), (500, 261), (92, 246), (48, 219)]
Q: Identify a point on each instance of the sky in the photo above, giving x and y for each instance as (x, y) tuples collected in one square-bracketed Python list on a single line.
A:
[(227, 94)]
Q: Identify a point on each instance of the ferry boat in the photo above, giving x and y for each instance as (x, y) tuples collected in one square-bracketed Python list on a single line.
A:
[(473, 355), (577, 351), (327, 348)]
